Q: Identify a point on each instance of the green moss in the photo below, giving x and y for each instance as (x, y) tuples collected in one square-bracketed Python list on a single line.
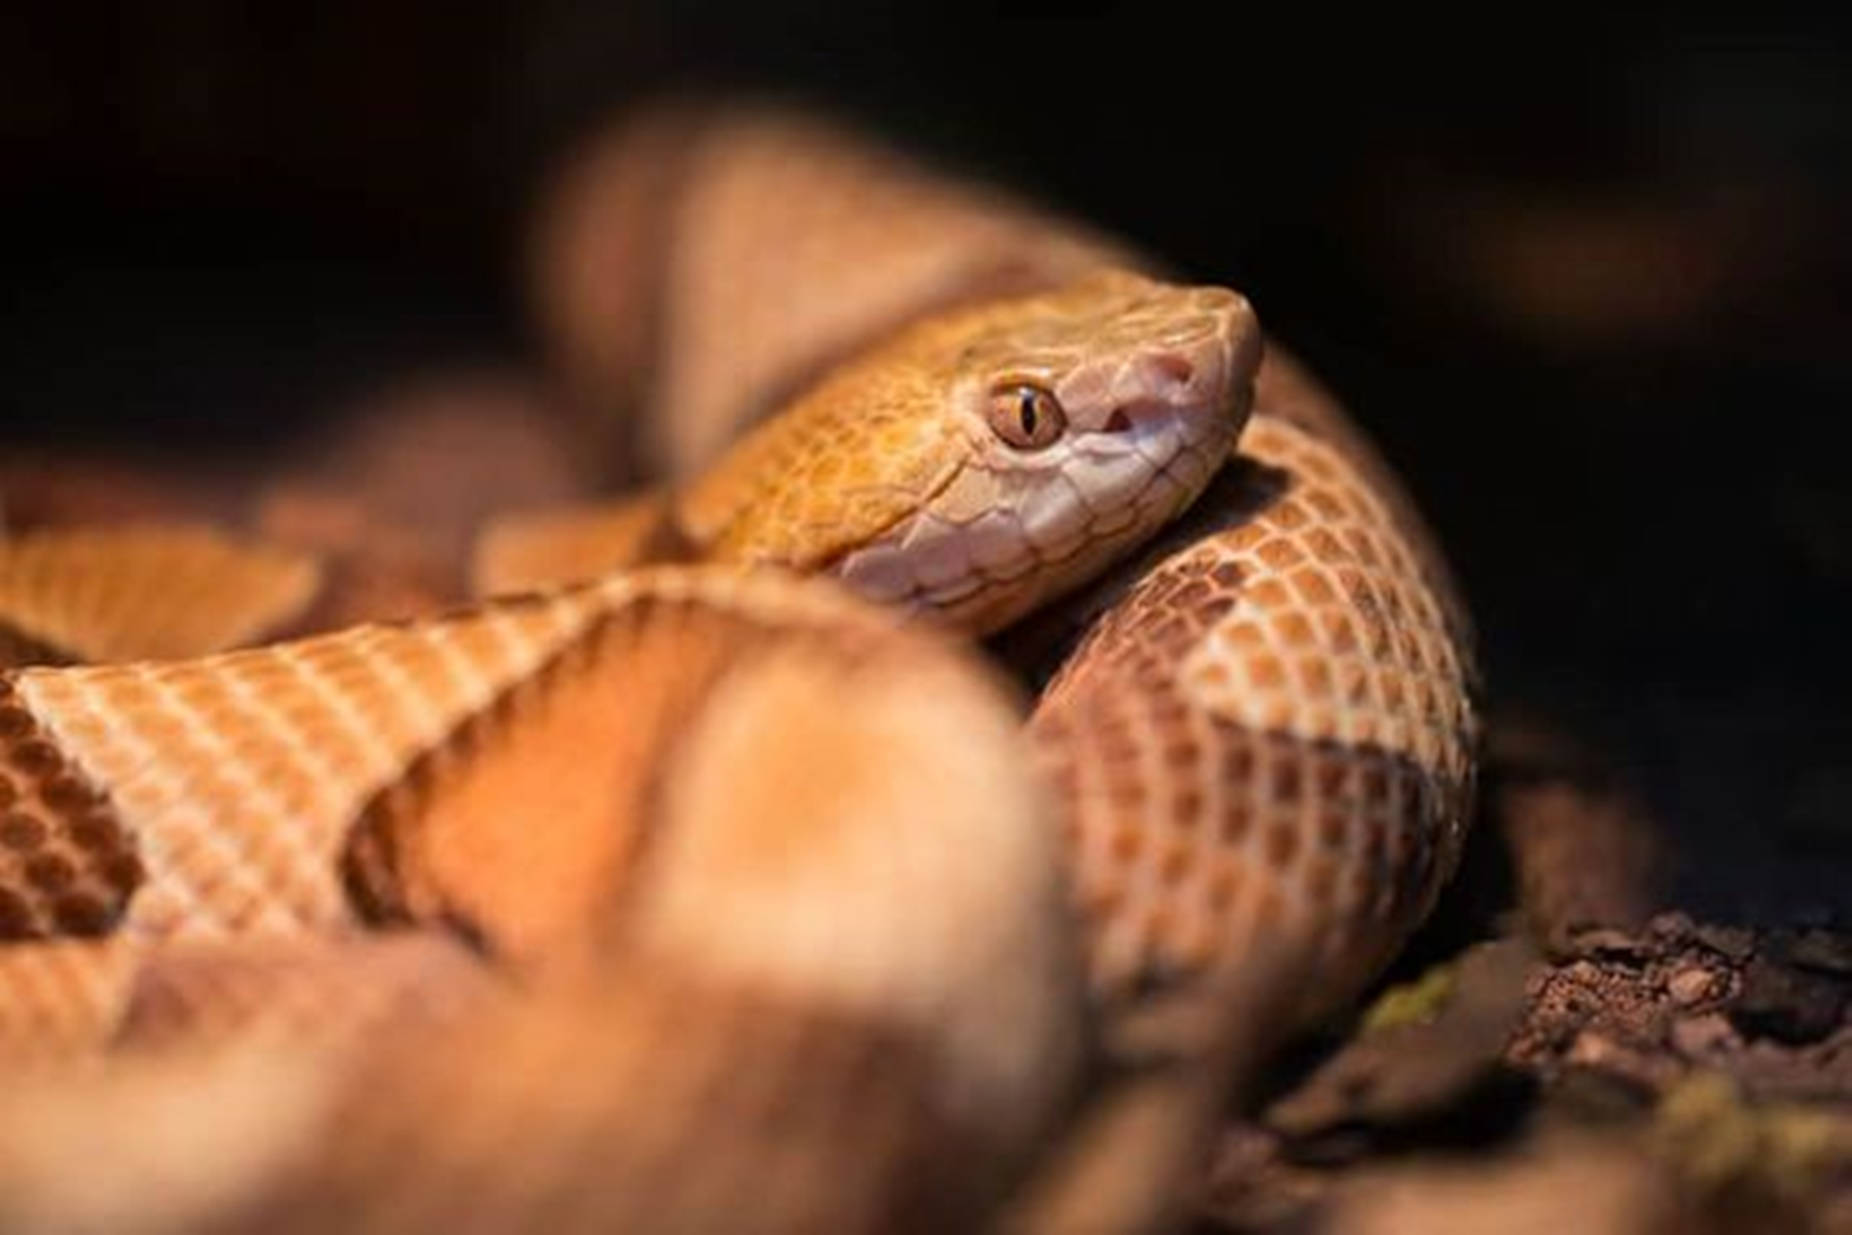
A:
[(1411, 1002), (1722, 1142)]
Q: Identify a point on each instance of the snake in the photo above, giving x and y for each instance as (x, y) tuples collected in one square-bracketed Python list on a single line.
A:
[(713, 794)]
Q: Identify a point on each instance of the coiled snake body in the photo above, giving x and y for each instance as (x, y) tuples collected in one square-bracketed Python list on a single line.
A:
[(781, 875)]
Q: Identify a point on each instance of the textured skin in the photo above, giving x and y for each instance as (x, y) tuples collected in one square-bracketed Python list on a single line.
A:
[(130, 593), (1270, 735), (388, 773), (59, 1000), (887, 474), (234, 778), (1262, 753), (921, 936), (1271, 693)]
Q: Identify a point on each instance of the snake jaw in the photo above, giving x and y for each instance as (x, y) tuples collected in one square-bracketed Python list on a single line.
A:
[(889, 475), (1010, 528), (1154, 403)]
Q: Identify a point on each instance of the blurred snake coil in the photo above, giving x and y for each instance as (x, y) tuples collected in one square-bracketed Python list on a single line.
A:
[(708, 874)]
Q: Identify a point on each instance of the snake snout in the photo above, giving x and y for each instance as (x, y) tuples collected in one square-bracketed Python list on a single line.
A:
[(1236, 330), (1188, 376), (1178, 385), (1174, 367)]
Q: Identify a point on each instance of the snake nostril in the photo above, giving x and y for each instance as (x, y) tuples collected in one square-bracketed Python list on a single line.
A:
[(1174, 368), (1118, 422)]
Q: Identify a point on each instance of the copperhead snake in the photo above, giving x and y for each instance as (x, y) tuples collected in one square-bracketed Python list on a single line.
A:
[(831, 936)]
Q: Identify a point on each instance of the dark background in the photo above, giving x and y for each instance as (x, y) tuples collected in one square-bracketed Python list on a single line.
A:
[(1584, 276)]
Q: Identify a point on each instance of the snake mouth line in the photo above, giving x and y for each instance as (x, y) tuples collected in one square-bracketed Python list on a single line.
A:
[(1035, 561), (832, 562)]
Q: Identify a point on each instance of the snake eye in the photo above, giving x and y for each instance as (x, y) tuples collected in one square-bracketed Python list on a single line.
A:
[(1027, 417)]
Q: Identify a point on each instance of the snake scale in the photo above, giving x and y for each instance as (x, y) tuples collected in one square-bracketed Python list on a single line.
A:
[(679, 886)]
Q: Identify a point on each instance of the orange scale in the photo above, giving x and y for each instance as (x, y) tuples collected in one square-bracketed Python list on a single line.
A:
[(166, 733), (1313, 585), (1363, 546), (1265, 671), (1226, 574), (1288, 515), (329, 653), (1318, 464), (1270, 594), (1159, 923), (244, 911), (1182, 752), (1175, 863), (261, 673), (1321, 880), (1237, 819), (1319, 722), (200, 691), (1340, 632), (1295, 629), (85, 730), (1169, 710), (1156, 591), (23, 832), (1103, 900), (1380, 640), (1269, 911), (1282, 843), (1279, 712), (1333, 828), (1353, 684), (1212, 674), (1365, 728), (1287, 782), (1325, 546), (1222, 889), (1193, 943), (1315, 677), (1127, 844), (1321, 499), (1414, 655), (1280, 554)]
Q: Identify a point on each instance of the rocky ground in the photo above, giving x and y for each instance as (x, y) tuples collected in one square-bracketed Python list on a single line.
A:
[(1599, 1065)]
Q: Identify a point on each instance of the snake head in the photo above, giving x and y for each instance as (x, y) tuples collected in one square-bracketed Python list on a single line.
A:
[(990, 457)]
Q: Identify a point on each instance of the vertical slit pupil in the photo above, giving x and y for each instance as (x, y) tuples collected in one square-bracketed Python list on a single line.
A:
[(1027, 408)]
